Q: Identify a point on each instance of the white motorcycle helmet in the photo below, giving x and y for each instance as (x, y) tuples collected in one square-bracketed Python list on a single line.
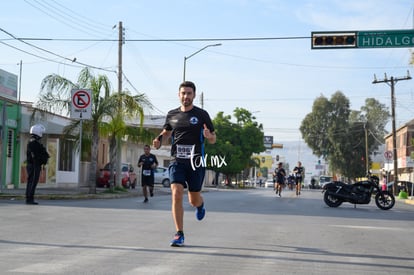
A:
[(38, 130)]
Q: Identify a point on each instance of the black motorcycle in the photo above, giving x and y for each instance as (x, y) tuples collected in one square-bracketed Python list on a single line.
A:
[(337, 192)]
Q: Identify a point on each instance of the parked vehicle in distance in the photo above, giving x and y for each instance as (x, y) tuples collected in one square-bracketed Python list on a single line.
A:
[(360, 192), (269, 183), (129, 177), (324, 180), (314, 183), (162, 176)]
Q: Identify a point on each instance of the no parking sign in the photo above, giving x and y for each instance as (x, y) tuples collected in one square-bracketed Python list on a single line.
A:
[(81, 104), (388, 155)]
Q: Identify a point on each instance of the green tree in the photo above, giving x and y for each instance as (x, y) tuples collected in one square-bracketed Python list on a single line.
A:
[(315, 127), (375, 115), (124, 107), (55, 97), (236, 142), (337, 133)]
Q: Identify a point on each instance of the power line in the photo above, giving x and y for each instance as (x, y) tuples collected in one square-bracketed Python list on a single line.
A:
[(63, 17), (86, 19), (50, 14), (32, 54), (327, 67), (375, 137), (136, 90), (73, 60), (216, 39), (169, 39)]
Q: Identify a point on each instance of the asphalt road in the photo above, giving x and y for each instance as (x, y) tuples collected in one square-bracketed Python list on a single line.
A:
[(244, 232)]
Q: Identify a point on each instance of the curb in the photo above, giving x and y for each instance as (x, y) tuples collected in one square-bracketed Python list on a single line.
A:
[(409, 201), (71, 196)]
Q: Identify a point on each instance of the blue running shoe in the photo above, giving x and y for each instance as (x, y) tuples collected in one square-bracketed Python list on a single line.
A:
[(200, 212), (178, 240)]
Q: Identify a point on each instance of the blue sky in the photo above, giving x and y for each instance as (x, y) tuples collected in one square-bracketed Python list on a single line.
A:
[(277, 79)]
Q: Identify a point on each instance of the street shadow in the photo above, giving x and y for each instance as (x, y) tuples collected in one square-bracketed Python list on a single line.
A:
[(252, 201), (271, 253)]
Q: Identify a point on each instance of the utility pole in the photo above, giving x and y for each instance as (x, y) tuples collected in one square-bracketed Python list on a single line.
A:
[(121, 41), (391, 82), (366, 149)]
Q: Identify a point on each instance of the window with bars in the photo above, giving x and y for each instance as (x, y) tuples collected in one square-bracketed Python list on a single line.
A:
[(10, 135), (66, 155)]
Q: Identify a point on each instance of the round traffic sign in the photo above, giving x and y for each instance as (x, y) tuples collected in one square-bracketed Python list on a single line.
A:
[(388, 155), (81, 99)]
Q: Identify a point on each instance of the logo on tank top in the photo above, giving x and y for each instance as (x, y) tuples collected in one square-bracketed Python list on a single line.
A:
[(193, 120)]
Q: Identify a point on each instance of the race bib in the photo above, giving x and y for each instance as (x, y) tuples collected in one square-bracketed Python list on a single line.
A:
[(184, 151), (146, 172)]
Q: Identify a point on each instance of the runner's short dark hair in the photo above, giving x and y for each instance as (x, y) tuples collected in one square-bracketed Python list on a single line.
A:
[(188, 84)]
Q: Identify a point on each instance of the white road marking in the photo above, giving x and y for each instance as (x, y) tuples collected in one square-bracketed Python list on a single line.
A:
[(367, 227)]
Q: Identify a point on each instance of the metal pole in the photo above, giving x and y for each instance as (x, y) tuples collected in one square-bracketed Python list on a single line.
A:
[(366, 148), (80, 150), (393, 80), (394, 138), (20, 81), (185, 61), (120, 42), (191, 55), (3, 144), (118, 165)]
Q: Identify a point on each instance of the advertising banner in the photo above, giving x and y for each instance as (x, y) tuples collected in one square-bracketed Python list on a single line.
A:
[(8, 85)]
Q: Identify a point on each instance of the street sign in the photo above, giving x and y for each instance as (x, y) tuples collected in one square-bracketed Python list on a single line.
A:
[(268, 141), (81, 104), (8, 85), (319, 167), (388, 155), (385, 39)]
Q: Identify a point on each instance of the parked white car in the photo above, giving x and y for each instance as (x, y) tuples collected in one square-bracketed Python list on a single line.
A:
[(269, 183), (324, 180), (162, 176)]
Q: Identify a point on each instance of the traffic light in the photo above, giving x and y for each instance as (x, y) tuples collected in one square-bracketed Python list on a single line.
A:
[(334, 40)]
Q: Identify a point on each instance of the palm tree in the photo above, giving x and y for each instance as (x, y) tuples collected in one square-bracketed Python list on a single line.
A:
[(123, 107), (55, 97)]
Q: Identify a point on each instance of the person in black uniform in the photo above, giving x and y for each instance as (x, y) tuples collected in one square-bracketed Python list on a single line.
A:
[(280, 176), (299, 171), (189, 126), (148, 162), (36, 157)]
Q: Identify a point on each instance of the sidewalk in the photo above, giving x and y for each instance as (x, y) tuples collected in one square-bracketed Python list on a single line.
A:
[(410, 200), (57, 193), (407, 200)]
